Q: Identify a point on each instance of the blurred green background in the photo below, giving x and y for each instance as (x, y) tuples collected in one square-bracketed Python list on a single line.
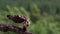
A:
[(44, 14)]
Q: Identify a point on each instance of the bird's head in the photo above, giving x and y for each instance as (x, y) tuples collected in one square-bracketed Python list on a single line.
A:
[(27, 20)]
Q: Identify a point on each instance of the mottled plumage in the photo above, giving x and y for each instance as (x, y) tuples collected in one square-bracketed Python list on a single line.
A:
[(20, 19)]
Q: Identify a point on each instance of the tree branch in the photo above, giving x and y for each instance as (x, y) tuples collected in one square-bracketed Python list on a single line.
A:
[(5, 28)]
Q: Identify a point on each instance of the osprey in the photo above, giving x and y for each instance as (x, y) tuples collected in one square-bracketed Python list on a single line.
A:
[(20, 19)]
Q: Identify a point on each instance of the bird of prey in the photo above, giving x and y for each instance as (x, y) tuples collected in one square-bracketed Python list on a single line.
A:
[(20, 19)]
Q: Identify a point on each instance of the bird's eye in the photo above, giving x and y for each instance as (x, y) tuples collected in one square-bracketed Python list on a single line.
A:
[(28, 23)]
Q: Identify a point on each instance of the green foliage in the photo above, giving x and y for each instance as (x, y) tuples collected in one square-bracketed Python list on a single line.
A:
[(40, 24)]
